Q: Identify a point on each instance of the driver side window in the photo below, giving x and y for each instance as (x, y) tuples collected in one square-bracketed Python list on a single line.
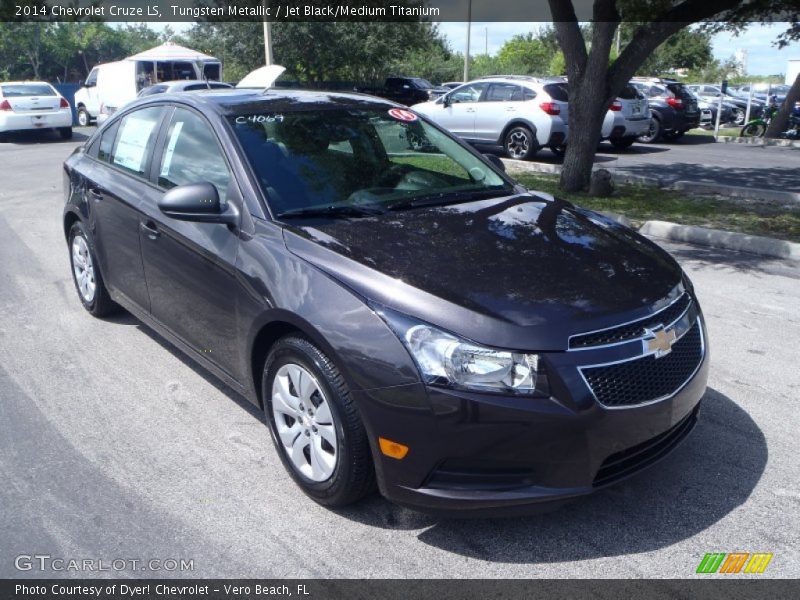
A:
[(467, 93)]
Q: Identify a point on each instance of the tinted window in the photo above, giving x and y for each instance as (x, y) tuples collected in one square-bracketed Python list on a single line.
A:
[(92, 78), (558, 91), (504, 92), (192, 154), (107, 142), (528, 94), (137, 136), (629, 92), (467, 93), (27, 89)]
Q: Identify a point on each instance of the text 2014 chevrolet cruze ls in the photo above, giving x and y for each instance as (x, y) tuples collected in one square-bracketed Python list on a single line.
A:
[(404, 312)]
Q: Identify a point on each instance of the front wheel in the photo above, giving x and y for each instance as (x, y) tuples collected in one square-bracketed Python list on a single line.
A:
[(315, 424), (559, 151), (85, 274), (520, 143), (653, 132), (737, 116), (83, 117), (753, 130)]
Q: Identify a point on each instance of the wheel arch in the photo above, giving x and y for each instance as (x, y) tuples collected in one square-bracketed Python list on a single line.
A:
[(515, 123), (70, 218), (273, 326)]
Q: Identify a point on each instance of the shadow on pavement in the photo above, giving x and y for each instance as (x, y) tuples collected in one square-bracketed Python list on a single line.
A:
[(712, 473), (41, 136), (743, 262), (759, 176)]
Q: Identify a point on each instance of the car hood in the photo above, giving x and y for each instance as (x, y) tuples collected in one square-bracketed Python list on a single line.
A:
[(522, 271)]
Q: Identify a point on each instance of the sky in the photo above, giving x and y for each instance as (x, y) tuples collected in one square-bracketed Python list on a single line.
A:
[(762, 57)]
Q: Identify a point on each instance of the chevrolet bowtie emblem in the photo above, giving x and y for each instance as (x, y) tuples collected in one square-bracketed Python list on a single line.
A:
[(658, 341)]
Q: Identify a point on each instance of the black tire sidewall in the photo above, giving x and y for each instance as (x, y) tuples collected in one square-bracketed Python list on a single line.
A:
[(296, 350), (646, 139)]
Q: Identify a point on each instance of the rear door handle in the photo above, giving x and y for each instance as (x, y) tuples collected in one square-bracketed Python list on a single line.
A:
[(96, 194), (149, 228)]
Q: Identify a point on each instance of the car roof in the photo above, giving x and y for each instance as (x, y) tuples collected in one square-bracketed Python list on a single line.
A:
[(25, 83), (234, 101)]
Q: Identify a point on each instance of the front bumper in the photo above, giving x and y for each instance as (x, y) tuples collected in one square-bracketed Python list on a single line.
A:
[(477, 454)]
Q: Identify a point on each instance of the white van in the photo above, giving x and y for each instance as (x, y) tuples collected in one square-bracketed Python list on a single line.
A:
[(111, 85)]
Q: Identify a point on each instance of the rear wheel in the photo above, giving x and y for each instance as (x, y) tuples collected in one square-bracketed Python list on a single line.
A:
[(653, 132), (673, 135), (315, 425), (520, 143), (88, 281), (65, 133), (623, 143), (559, 151), (83, 117), (753, 130)]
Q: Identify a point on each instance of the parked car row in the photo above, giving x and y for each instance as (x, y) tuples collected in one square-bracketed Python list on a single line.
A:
[(521, 114)]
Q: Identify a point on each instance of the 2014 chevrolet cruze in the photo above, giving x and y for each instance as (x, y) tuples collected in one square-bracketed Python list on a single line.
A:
[(403, 311)]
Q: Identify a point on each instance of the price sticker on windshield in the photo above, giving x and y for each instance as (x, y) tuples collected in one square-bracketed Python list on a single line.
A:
[(402, 115)]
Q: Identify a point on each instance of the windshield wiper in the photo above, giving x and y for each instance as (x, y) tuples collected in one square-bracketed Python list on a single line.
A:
[(444, 198), (347, 210)]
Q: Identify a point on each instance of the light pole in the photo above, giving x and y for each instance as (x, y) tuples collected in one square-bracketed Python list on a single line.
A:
[(267, 37), (466, 50)]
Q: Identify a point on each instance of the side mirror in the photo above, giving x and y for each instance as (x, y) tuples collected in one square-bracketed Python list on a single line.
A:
[(81, 83), (198, 202), (495, 160), (446, 100)]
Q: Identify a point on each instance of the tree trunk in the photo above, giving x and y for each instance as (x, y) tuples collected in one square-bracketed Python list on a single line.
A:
[(779, 123)]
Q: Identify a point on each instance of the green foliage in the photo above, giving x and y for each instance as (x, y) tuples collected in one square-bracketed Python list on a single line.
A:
[(525, 54), (688, 49)]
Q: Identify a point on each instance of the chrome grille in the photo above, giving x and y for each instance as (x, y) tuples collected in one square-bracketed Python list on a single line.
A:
[(632, 331), (647, 379)]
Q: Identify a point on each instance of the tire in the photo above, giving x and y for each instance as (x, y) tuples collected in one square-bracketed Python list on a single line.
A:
[(84, 119), (81, 246), (753, 130), (737, 116), (332, 462), (559, 151), (623, 143), (673, 136), (65, 133), (652, 134), (520, 143)]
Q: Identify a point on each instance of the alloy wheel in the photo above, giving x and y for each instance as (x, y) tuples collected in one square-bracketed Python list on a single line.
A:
[(304, 422), (518, 144), (83, 268)]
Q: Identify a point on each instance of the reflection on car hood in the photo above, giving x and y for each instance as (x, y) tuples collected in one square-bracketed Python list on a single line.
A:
[(519, 271)]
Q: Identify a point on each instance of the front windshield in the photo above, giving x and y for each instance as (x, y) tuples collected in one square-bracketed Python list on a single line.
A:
[(351, 158), (422, 84)]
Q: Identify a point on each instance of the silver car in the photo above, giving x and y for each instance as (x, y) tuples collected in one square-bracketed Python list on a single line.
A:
[(627, 118), (519, 114)]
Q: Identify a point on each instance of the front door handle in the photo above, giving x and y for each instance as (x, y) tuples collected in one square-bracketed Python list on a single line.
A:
[(149, 229)]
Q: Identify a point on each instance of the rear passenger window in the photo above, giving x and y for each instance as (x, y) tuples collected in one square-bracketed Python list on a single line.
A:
[(137, 136), (192, 154), (107, 142), (503, 92)]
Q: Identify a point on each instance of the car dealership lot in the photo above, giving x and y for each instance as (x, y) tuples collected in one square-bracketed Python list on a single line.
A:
[(112, 445)]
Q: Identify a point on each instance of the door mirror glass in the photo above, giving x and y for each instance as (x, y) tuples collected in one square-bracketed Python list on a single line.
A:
[(197, 202)]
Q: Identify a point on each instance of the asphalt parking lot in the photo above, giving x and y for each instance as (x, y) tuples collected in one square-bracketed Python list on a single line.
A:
[(113, 445)]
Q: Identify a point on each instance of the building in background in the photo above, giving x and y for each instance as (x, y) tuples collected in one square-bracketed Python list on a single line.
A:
[(741, 61)]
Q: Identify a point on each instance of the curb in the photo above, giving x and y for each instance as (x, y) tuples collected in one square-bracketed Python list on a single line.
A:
[(759, 142), (735, 191), (725, 240), (616, 176)]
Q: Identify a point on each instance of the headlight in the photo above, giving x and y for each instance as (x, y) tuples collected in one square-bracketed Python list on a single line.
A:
[(446, 360)]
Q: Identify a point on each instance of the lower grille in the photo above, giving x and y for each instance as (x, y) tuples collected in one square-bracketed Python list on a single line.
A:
[(647, 379), (624, 463)]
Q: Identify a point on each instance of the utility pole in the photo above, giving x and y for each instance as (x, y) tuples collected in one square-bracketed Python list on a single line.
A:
[(267, 38), (466, 51), (486, 41)]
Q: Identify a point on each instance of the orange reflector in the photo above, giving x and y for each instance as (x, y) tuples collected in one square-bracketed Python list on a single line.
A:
[(393, 449)]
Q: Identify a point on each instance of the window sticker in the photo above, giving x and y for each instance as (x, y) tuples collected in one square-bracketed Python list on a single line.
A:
[(132, 145), (173, 140), (402, 115)]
